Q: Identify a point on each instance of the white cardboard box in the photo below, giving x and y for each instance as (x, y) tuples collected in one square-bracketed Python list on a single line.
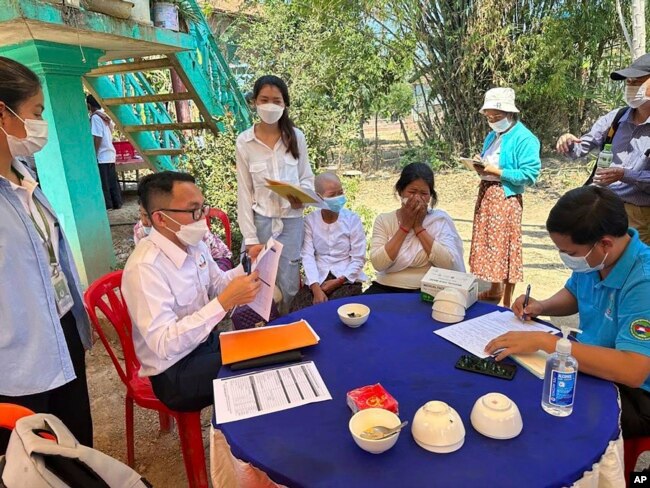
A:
[(438, 279)]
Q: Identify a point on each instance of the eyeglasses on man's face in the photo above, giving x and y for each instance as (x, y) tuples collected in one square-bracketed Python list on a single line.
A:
[(197, 213)]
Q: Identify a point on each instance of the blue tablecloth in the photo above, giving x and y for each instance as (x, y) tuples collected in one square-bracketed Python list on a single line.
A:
[(311, 446)]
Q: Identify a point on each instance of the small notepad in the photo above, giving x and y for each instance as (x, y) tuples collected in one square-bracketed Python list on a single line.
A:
[(535, 362)]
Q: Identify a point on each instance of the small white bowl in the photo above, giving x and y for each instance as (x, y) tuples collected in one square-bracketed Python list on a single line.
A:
[(448, 307), (438, 428), (360, 311), (371, 417), (496, 416), (447, 318)]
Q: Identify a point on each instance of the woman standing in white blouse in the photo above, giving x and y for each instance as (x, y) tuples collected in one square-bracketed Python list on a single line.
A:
[(334, 248), (273, 148), (408, 241)]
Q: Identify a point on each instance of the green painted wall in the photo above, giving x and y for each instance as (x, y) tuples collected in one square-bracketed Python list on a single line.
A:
[(67, 166)]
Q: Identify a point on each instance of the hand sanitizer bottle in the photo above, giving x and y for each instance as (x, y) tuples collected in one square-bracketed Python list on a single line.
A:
[(560, 378)]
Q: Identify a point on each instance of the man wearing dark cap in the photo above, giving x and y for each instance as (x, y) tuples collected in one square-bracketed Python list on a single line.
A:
[(627, 129)]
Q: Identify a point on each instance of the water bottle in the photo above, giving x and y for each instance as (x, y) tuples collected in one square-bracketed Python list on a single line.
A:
[(560, 378), (605, 157)]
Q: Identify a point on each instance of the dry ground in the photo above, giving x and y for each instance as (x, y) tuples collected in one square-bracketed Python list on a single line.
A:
[(158, 455)]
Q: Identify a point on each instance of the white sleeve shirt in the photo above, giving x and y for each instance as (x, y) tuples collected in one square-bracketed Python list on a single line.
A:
[(338, 248), (256, 162), (171, 297), (99, 128)]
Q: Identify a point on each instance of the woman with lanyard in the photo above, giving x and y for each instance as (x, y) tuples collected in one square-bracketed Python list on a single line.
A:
[(44, 327), (273, 148), (509, 163)]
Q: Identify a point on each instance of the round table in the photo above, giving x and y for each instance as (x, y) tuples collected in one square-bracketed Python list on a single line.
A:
[(311, 445)]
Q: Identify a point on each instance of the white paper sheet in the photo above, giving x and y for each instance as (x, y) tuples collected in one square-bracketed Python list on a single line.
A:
[(473, 335), (270, 390), (266, 265)]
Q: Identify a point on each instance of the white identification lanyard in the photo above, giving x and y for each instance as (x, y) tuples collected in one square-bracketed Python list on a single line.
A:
[(63, 296)]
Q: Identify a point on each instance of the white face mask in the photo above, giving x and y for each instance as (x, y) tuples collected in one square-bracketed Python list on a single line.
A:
[(501, 125), (579, 264), (635, 96), (190, 234), (36, 137), (269, 112)]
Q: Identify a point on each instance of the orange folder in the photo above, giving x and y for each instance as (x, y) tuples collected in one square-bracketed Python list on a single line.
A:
[(254, 343)]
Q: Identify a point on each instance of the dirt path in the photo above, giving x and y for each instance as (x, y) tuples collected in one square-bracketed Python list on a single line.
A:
[(158, 456)]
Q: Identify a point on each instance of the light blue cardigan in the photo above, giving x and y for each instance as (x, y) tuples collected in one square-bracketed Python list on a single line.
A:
[(519, 159), (34, 355)]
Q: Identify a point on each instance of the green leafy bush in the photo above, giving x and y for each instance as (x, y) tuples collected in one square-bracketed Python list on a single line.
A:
[(436, 153), (211, 160)]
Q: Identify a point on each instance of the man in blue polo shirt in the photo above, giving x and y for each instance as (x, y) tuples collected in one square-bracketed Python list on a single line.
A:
[(609, 288)]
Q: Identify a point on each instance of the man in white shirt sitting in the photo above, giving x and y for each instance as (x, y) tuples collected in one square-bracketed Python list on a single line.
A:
[(176, 294), (333, 249)]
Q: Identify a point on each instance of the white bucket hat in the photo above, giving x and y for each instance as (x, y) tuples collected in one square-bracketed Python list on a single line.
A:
[(500, 99)]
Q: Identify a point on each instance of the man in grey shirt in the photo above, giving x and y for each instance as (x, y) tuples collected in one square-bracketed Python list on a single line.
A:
[(629, 174)]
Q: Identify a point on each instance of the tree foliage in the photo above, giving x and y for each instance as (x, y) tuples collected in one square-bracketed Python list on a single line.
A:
[(556, 54), (335, 63)]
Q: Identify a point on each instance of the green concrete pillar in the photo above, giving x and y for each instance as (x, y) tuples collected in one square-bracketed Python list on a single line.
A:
[(67, 166)]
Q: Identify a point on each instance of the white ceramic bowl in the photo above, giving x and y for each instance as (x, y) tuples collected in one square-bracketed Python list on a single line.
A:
[(371, 417), (448, 307), (361, 314), (448, 318), (438, 428), (451, 295), (495, 415)]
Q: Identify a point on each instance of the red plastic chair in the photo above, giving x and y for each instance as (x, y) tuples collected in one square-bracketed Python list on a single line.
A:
[(105, 294), (632, 449), (216, 213), (10, 413)]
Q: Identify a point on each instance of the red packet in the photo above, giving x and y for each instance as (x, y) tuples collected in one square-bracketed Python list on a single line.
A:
[(371, 396)]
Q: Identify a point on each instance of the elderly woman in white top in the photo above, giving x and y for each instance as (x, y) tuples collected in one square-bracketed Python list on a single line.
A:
[(334, 249), (273, 148), (408, 241)]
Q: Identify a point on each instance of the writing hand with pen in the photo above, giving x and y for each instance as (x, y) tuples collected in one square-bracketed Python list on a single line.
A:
[(525, 307)]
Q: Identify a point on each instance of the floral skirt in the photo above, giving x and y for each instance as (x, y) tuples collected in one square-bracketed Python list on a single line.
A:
[(496, 253)]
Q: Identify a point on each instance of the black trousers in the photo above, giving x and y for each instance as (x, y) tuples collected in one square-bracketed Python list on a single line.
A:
[(376, 288), (110, 185), (68, 402), (187, 385), (635, 412)]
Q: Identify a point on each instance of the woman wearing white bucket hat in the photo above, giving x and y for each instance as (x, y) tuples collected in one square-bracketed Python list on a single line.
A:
[(511, 157)]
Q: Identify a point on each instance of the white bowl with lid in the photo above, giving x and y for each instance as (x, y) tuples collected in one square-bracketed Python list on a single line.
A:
[(438, 428), (449, 308), (452, 295), (496, 416)]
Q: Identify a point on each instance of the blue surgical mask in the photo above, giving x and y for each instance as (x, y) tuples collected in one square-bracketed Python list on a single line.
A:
[(335, 204), (579, 264)]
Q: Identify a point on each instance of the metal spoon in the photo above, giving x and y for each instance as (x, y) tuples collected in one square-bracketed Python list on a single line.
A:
[(379, 432)]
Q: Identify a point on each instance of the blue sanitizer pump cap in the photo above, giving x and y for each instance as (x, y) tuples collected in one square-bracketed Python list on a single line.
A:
[(563, 346)]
